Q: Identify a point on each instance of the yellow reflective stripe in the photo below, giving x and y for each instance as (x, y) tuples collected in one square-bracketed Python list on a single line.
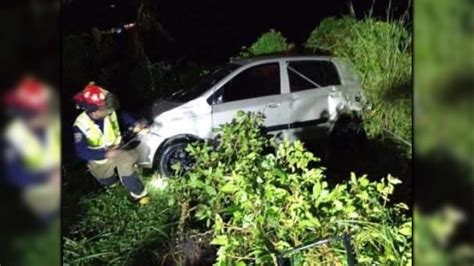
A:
[(43, 156), (109, 132), (115, 124), (95, 138), (35, 155)]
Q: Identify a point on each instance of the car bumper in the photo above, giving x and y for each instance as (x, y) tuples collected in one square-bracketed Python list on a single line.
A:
[(147, 148)]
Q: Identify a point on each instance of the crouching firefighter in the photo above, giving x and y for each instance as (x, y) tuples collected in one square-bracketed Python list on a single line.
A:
[(32, 148), (98, 138)]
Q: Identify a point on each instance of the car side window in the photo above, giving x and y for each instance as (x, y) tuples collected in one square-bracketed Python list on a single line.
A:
[(311, 74), (257, 81)]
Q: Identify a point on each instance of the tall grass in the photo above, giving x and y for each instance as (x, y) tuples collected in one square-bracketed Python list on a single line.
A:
[(113, 230), (380, 53)]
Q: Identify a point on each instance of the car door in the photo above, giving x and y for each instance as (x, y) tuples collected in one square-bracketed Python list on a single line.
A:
[(256, 89), (315, 92)]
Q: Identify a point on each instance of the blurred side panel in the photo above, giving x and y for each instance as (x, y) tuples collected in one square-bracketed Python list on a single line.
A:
[(444, 131), (30, 143)]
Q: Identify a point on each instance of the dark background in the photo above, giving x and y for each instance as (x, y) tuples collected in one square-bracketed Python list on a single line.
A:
[(30, 40), (211, 31)]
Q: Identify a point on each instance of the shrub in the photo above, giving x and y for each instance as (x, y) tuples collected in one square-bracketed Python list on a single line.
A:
[(380, 53), (269, 43), (258, 203)]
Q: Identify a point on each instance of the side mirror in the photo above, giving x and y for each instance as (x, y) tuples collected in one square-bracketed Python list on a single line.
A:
[(216, 98), (220, 99)]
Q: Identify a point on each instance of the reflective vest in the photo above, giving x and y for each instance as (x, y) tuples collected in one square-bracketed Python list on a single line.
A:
[(95, 138), (37, 155)]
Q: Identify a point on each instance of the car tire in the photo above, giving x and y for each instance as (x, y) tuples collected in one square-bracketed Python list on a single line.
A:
[(171, 154)]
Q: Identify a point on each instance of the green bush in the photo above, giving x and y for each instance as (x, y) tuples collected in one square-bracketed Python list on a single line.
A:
[(258, 203), (269, 43), (380, 53)]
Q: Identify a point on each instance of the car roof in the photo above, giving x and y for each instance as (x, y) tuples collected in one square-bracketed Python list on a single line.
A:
[(245, 61)]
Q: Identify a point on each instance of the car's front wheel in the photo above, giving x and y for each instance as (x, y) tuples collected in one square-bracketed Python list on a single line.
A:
[(174, 155)]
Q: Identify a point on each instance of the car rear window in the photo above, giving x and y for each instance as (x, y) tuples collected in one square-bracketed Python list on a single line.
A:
[(311, 74)]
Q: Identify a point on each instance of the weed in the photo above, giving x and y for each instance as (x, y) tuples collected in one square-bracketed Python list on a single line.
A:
[(380, 52)]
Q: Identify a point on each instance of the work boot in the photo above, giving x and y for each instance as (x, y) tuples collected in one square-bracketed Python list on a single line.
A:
[(142, 199), (136, 189)]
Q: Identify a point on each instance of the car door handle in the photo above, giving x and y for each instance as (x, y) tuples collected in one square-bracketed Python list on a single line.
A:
[(273, 105)]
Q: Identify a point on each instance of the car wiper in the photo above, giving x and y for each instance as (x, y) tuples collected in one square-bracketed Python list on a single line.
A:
[(303, 76)]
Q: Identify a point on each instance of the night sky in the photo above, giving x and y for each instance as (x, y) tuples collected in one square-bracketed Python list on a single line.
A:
[(211, 31)]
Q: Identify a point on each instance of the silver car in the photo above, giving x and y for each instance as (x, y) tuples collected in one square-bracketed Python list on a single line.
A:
[(295, 93)]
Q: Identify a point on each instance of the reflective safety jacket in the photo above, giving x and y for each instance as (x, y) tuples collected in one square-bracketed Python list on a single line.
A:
[(37, 155), (97, 138)]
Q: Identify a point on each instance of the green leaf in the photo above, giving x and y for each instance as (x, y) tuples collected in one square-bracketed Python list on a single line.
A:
[(220, 240), (364, 182), (210, 190), (279, 173), (229, 187), (218, 223), (317, 190), (393, 180), (240, 263), (406, 229)]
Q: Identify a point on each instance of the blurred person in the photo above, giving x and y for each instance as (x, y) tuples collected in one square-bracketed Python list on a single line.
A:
[(98, 139), (32, 148), (29, 233)]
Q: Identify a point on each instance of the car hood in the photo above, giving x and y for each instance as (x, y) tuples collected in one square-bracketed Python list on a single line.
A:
[(172, 111), (161, 105)]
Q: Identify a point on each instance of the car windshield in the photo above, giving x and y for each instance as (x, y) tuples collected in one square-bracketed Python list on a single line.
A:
[(206, 82)]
